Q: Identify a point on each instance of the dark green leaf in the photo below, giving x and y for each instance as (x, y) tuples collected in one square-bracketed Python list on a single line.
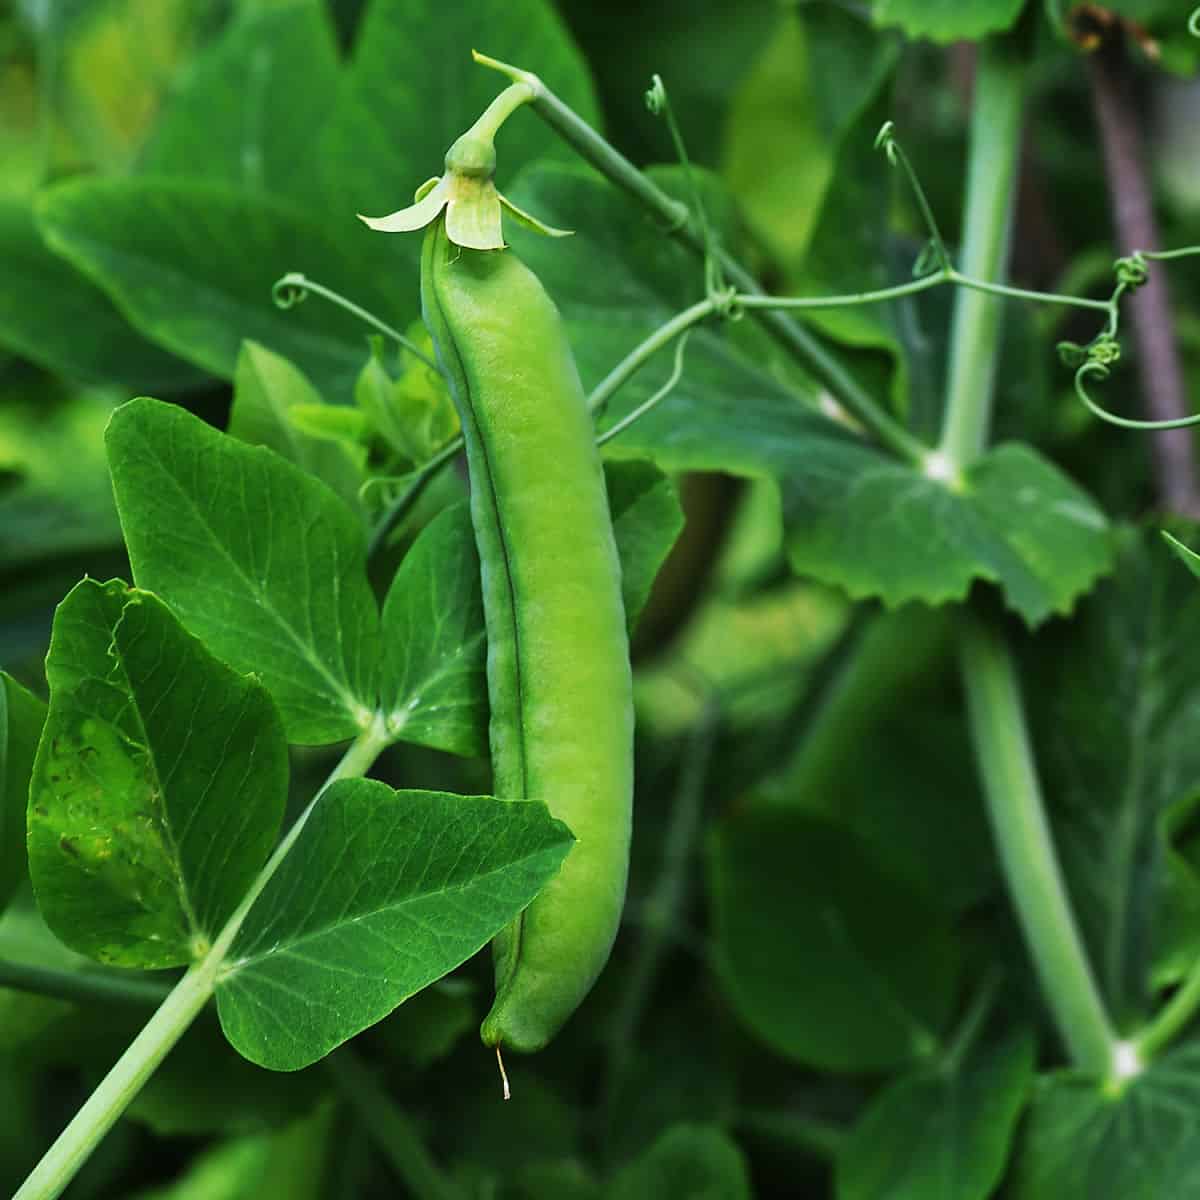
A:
[(940, 1134), (1117, 706), (1139, 1140), (57, 500), (192, 263), (257, 558), (251, 104), (267, 389), (696, 1161), (948, 20), (435, 688), (22, 715), (383, 893), (59, 319), (826, 956), (158, 787)]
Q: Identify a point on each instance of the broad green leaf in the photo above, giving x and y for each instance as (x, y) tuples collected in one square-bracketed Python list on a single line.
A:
[(821, 67), (158, 786), (260, 560), (60, 320), (1139, 1140), (824, 955), (192, 264), (267, 389), (948, 20), (55, 498), (1116, 704), (877, 527), (22, 715), (434, 688), (942, 1133), (251, 104), (383, 893), (696, 1161), (855, 516)]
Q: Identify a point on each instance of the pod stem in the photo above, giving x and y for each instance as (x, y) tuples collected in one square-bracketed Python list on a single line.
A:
[(806, 348)]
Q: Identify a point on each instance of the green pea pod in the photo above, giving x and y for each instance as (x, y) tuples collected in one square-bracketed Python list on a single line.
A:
[(558, 660)]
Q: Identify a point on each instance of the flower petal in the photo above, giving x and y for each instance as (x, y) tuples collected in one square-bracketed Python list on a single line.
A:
[(531, 222), (473, 214), (416, 216)]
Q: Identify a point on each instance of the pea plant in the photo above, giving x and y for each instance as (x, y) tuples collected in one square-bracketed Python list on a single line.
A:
[(670, 680)]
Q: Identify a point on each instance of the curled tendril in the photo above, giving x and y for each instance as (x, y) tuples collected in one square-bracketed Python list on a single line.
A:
[(1099, 370), (1194, 23), (885, 140), (1131, 271), (656, 95), (725, 304), (290, 290)]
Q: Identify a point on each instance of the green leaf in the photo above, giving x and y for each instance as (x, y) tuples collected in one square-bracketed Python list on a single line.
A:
[(1136, 1141), (60, 320), (696, 1161), (434, 645), (826, 957), (647, 519), (398, 888), (948, 20), (22, 715), (192, 264), (257, 558), (820, 69), (267, 390), (855, 516), (250, 105), (1117, 706), (879, 528), (940, 1133), (1188, 557), (55, 498), (158, 787)]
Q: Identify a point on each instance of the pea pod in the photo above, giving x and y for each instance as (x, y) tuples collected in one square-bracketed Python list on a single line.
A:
[(558, 670), (558, 662)]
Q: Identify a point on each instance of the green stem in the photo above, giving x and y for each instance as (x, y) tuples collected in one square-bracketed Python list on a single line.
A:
[(400, 507), (171, 1020), (82, 987), (997, 719), (991, 183), (110, 1099), (1026, 849), (1172, 1018), (389, 1128), (619, 170)]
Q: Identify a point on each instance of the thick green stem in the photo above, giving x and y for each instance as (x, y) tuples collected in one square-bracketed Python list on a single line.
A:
[(997, 718), (171, 1020), (991, 181), (1026, 849)]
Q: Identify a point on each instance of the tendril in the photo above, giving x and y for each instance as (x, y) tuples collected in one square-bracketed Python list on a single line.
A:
[(289, 291), (294, 287), (1100, 371), (935, 252), (659, 103), (659, 396)]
